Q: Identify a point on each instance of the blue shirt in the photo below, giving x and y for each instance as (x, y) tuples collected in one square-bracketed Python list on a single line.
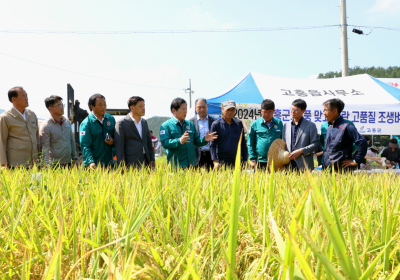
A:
[(224, 148), (203, 129), (269, 124)]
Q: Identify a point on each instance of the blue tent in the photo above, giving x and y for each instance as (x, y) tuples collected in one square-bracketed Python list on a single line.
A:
[(255, 87), (371, 104), (244, 92)]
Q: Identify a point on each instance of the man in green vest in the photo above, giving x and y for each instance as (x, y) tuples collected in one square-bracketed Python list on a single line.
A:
[(96, 134), (263, 132), (179, 136)]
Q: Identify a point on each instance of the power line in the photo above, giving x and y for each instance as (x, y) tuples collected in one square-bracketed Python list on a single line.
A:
[(86, 75), (165, 31), (186, 31), (377, 27)]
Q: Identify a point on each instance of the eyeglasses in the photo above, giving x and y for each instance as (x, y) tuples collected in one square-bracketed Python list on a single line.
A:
[(294, 110), (59, 105)]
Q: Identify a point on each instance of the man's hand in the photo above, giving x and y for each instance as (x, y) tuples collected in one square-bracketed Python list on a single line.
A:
[(348, 162), (253, 164), (295, 154), (152, 164), (211, 137), (216, 164), (92, 166), (109, 142), (185, 138), (318, 154)]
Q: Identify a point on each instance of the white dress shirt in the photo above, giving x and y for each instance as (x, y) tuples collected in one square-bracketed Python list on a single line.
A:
[(138, 127), (23, 115)]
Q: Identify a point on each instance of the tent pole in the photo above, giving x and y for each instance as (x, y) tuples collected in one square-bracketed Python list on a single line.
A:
[(345, 54)]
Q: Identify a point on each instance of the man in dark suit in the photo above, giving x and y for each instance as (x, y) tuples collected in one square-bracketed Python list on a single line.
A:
[(133, 144), (301, 137), (202, 122)]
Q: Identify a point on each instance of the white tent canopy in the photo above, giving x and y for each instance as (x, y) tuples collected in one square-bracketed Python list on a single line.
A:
[(372, 105)]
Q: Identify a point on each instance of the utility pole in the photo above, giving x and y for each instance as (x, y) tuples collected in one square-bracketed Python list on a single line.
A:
[(345, 53), (190, 91)]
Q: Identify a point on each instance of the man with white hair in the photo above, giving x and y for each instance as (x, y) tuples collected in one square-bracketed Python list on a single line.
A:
[(19, 132), (202, 122)]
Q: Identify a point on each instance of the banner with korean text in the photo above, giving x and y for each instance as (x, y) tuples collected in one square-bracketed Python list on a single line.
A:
[(366, 122)]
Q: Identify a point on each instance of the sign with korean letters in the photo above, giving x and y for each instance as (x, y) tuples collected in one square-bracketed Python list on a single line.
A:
[(366, 122)]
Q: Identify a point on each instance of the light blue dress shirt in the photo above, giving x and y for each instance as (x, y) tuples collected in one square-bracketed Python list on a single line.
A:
[(203, 129)]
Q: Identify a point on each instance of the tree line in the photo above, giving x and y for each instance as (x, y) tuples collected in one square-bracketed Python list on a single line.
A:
[(154, 124), (376, 72)]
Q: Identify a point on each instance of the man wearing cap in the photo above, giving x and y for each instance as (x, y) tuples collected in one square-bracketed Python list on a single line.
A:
[(202, 122), (229, 129), (96, 134), (263, 132), (301, 137), (179, 136), (340, 138), (19, 132), (56, 139)]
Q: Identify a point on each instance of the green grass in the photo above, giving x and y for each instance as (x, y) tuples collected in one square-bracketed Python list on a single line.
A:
[(189, 224)]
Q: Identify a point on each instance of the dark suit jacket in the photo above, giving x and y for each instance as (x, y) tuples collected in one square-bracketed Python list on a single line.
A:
[(307, 139), (196, 125), (128, 144)]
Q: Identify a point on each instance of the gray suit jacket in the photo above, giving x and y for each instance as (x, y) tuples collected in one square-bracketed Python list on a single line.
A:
[(128, 144), (196, 125), (307, 139)]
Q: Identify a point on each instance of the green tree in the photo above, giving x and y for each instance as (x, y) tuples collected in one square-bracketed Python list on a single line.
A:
[(376, 72), (154, 124)]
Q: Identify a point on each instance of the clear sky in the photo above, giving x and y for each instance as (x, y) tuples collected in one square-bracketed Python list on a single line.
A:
[(214, 61)]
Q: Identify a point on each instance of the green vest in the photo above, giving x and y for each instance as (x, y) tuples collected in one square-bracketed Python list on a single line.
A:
[(261, 137), (92, 135), (182, 155)]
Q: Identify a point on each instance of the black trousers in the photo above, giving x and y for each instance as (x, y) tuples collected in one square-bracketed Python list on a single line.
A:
[(205, 160), (263, 165), (337, 166)]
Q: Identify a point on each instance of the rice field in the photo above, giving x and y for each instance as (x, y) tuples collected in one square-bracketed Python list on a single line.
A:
[(193, 224)]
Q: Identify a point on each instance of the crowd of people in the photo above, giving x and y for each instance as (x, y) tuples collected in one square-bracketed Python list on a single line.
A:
[(201, 142)]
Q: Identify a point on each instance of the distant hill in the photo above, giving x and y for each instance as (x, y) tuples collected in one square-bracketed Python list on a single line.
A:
[(154, 125), (377, 72)]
